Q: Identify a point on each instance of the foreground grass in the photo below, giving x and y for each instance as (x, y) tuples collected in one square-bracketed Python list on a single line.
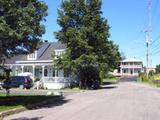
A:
[(113, 79), (16, 100), (5, 108), (150, 82)]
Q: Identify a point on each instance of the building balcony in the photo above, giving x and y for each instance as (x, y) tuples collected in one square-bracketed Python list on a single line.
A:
[(131, 66)]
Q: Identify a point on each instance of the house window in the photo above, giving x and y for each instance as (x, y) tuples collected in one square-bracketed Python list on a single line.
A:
[(59, 52), (131, 63), (125, 63), (32, 56)]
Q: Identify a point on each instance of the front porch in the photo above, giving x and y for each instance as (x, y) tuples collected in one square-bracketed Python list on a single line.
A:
[(130, 71), (37, 70)]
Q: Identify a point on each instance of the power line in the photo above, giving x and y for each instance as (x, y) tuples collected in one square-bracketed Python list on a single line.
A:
[(156, 52), (140, 33), (156, 39), (156, 46), (155, 9), (158, 16), (155, 49)]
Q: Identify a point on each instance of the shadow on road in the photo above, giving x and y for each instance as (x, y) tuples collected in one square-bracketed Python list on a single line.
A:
[(109, 83), (32, 102), (111, 86), (25, 118), (50, 104)]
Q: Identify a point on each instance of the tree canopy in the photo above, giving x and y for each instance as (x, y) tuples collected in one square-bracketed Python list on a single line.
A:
[(20, 26), (158, 68), (86, 35)]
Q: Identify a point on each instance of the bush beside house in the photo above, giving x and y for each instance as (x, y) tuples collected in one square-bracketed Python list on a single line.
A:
[(152, 78)]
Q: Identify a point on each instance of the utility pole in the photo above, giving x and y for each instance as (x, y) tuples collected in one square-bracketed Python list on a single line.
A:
[(147, 48), (150, 32), (148, 37)]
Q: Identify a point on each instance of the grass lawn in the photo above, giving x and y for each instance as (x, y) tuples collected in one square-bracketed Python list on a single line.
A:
[(16, 100), (113, 79), (157, 85), (5, 108)]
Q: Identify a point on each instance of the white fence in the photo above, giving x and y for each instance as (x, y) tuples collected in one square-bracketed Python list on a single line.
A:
[(55, 82)]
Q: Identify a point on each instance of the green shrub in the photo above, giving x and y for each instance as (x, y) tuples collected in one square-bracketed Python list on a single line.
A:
[(158, 85), (108, 76), (156, 77), (151, 74), (143, 77)]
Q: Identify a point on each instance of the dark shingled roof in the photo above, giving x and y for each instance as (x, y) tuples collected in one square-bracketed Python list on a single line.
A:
[(13, 60), (47, 55), (44, 53)]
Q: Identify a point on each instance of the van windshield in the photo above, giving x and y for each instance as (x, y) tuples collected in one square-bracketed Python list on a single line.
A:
[(17, 78)]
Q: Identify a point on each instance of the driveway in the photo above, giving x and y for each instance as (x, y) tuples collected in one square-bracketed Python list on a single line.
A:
[(123, 101)]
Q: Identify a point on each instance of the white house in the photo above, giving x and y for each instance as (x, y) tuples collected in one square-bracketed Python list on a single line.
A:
[(40, 63), (131, 67)]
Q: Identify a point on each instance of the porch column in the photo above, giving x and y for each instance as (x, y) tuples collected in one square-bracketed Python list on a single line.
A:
[(121, 71), (43, 70), (33, 70), (56, 74), (16, 73), (22, 67), (10, 66), (129, 71), (133, 71)]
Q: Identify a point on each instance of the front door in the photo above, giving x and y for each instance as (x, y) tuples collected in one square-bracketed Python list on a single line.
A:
[(131, 72)]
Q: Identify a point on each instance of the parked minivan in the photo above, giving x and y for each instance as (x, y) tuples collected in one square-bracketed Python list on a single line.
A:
[(19, 81)]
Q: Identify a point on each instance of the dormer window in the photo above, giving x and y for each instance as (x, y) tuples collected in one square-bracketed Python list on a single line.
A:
[(32, 56), (59, 52)]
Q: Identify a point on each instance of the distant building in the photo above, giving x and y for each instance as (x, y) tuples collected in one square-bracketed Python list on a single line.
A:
[(131, 67)]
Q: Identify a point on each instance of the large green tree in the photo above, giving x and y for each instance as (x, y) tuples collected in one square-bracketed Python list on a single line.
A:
[(86, 35), (20, 26), (158, 68)]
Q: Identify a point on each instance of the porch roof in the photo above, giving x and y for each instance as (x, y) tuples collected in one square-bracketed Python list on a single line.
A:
[(131, 60)]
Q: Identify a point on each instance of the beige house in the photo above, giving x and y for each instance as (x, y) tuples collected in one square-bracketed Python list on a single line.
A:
[(131, 67)]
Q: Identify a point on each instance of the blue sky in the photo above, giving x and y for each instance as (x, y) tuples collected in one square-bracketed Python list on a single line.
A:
[(128, 20)]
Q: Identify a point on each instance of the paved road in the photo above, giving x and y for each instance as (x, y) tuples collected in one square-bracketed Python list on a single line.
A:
[(123, 101)]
